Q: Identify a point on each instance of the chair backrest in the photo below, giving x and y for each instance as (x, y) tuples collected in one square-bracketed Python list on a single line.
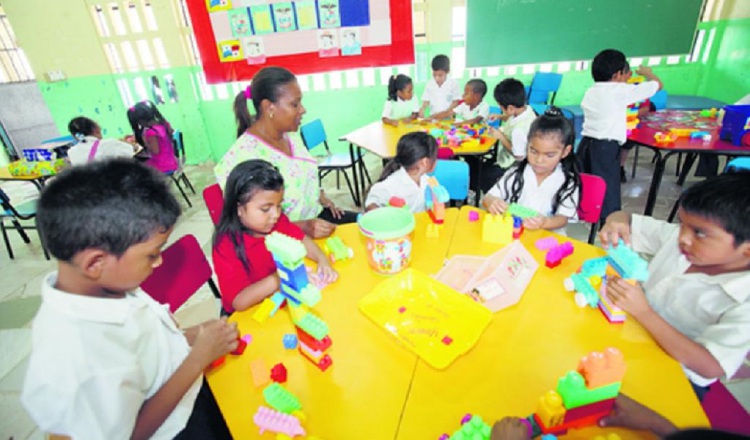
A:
[(495, 110), (454, 176), (592, 196), (542, 85), (214, 198), (659, 100), (179, 145), (313, 134), (184, 269), (738, 164)]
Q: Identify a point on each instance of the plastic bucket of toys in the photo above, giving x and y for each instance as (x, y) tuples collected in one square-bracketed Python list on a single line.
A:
[(388, 235)]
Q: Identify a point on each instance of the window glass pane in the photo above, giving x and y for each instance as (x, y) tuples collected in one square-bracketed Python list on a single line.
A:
[(148, 13), (134, 20)]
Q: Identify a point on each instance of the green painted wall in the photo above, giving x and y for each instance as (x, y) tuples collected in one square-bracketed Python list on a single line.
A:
[(727, 71)]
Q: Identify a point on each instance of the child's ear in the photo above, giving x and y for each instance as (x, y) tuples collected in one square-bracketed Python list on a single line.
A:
[(566, 151), (745, 249), (91, 262)]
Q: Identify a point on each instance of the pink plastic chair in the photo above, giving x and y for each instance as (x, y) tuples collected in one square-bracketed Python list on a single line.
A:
[(214, 198), (592, 197), (184, 269), (724, 411)]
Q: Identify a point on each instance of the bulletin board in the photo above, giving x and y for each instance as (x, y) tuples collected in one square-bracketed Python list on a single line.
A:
[(236, 38)]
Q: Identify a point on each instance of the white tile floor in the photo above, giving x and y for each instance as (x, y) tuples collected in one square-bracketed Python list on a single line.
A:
[(21, 278)]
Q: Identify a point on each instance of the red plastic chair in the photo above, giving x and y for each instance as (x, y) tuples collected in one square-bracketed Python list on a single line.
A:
[(184, 269), (724, 411), (214, 198), (592, 197)]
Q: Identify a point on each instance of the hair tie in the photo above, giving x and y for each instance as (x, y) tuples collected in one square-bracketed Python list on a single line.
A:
[(248, 93), (553, 111)]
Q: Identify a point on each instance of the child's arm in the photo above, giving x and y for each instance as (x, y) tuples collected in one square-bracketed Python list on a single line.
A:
[(540, 222), (616, 227), (649, 74), (628, 413), (214, 339), (425, 104), (390, 121), (152, 143), (325, 271), (256, 292), (494, 205), (445, 114), (500, 136), (471, 121)]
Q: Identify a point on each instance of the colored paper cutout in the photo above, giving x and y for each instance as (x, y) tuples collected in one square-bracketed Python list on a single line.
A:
[(283, 16), (328, 44), (355, 12), (229, 50), (351, 43), (239, 21), (254, 49), (262, 20), (218, 5), (307, 14), (328, 13)]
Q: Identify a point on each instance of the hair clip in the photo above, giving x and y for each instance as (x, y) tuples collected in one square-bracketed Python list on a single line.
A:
[(248, 93), (553, 111)]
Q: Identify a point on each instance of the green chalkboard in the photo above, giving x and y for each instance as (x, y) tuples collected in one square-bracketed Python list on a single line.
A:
[(502, 32)]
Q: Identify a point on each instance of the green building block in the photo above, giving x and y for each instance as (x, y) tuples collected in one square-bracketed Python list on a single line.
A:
[(280, 399), (312, 325), (286, 249), (309, 295), (517, 210), (474, 429), (572, 388)]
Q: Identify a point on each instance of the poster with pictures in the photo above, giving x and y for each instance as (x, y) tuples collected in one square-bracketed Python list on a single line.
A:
[(328, 13), (283, 16), (328, 43), (230, 50), (254, 51), (239, 22), (350, 42)]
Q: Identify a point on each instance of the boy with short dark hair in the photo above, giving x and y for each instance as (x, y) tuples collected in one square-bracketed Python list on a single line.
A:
[(473, 109), (696, 303), (604, 126), (108, 361), (441, 93)]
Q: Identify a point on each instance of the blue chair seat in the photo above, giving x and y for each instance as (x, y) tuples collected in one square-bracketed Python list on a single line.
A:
[(26, 209)]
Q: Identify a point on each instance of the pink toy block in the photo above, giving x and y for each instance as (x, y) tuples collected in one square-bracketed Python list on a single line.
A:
[(247, 338), (473, 216), (278, 373), (268, 419), (545, 244), (241, 345), (447, 340), (557, 254)]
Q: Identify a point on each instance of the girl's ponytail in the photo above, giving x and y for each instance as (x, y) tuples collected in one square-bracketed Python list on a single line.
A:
[(241, 112), (392, 88)]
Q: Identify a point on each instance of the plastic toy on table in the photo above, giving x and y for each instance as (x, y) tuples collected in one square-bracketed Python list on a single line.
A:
[(497, 228), (337, 250), (735, 126), (472, 428), (682, 132), (709, 113), (664, 138), (436, 196)]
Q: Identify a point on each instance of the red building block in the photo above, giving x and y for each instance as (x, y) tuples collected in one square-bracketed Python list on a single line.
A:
[(278, 373), (596, 409), (241, 345), (316, 344), (217, 363)]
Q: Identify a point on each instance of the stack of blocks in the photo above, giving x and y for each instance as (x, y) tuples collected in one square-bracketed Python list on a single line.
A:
[(502, 229), (583, 396), (285, 415), (299, 294), (435, 197)]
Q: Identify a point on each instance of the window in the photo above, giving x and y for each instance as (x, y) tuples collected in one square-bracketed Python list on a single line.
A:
[(14, 66), (458, 24)]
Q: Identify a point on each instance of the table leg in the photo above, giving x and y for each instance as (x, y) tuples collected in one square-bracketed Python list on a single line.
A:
[(655, 182), (689, 161), (357, 198), (478, 185)]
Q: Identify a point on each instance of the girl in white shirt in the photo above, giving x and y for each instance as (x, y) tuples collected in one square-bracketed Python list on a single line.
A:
[(401, 104), (547, 180), (90, 144), (405, 175)]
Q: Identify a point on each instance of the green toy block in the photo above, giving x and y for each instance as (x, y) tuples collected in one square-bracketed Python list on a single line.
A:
[(313, 326), (581, 284), (517, 210), (286, 249), (572, 389), (474, 429), (280, 399), (309, 295)]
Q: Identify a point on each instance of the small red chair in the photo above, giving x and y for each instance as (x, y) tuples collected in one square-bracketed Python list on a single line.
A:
[(592, 196), (214, 198), (724, 411), (184, 269)]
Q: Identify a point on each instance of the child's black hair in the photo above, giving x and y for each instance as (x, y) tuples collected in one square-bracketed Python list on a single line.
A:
[(704, 434), (551, 123), (142, 115), (411, 148), (724, 199), (245, 180), (607, 63), (478, 86), (510, 91), (82, 126), (441, 62), (397, 83), (266, 84), (109, 205)]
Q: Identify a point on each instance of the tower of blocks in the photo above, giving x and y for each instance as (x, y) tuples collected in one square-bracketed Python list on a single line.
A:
[(590, 282), (435, 197), (296, 291), (582, 396)]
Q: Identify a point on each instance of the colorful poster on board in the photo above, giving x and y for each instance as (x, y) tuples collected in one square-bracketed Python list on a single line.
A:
[(255, 52), (283, 16), (230, 50), (328, 44), (351, 44), (239, 21), (218, 5), (262, 20), (328, 13), (307, 14)]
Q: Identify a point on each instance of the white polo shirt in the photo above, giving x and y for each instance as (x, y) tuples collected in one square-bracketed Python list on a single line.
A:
[(464, 113), (441, 97), (516, 129), (399, 184), (714, 311), (108, 148), (605, 107), (95, 361), (400, 109), (539, 197)]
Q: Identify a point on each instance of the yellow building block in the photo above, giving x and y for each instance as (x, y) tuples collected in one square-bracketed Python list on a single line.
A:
[(551, 410), (433, 230), (264, 310), (497, 229)]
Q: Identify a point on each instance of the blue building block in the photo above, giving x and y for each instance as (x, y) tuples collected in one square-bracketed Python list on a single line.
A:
[(290, 341), (295, 278), (627, 262), (595, 266)]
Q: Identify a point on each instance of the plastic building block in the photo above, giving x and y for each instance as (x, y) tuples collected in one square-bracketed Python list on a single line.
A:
[(280, 399), (555, 255), (572, 388), (259, 372), (700, 135), (396, 202), (517, 227), (269, 420), (664, 138), (536, 430), (217, 363), (318, 358), (596, 410), (602, 368), (473, 428), (627, 263), (594, 266), (551, 410), (241, 345), (313, 326), (315, 344), (548, 437), (278, 299), (247, 338), (735, 126), (295, 278), (433, 230), (309, 295), (546, 243), (435, 198), (278, 373), (473, 216), (709, 113), (682, 132), (286, 249), (582, 286), (610, 311), (447, 340), (290, 341), (264, 311), (523, 212), (497, 229), (337, 250)]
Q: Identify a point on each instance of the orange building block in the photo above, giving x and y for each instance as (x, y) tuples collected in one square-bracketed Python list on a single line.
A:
[(602, 368), (260, 372)]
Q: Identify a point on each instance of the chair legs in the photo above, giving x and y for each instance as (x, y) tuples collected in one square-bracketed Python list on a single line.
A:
[(213, 287), (185, 179), (22, 232), (673, 212), (176, 181), (592, 233), (6, 239)]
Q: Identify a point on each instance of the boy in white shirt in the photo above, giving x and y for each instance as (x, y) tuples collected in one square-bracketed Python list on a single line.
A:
[(473, 109), (441, 93), (696, 302), (107, 361), (90, 144), (604, 109)]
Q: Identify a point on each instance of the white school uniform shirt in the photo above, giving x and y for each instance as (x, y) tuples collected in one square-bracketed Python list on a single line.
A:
[(539, 197), (108, 148), (464, 113), (400, 109), (713, 311), (516, 129), (605, 107), (95, 361), (399, 184), (441, 97)]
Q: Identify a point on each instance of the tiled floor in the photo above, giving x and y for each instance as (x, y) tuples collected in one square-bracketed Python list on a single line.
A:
[(21, 278)]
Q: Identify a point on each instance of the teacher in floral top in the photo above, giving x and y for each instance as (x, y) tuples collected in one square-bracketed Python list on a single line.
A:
[(277, 100)]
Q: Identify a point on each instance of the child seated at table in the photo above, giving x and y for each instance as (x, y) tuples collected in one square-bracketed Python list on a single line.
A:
[(107, 360), (252, 210), (696, 302), (400, 105), (91, 146), (547, 180), (472, 110), (405, 175)]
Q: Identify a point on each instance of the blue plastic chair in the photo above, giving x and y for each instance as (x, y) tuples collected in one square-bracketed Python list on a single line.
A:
[(543, 88), (738, 164), (659, 100), (495, 110), (454, 176), (24, 211)]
